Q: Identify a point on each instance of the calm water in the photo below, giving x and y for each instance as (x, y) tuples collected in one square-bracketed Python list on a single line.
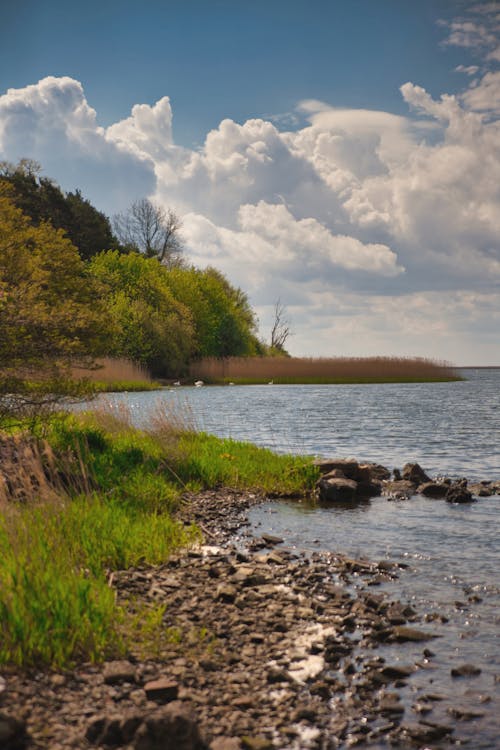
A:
[(453, 551)]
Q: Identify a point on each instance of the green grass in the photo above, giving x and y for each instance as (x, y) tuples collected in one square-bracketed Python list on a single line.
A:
[(121, 386), (105, 499)]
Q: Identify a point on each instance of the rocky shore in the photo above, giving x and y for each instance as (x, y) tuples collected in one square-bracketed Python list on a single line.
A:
[(263, 648)]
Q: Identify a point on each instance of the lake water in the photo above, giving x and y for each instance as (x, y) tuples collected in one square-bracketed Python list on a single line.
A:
[(453, 550)]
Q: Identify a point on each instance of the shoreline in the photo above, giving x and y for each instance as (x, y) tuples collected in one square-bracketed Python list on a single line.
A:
[(265, 648)]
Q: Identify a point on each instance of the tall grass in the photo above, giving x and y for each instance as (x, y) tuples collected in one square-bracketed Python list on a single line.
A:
[(94, 495), (321, 370)]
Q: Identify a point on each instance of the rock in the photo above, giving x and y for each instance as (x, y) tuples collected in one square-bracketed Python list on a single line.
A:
[(397, 671), (402, 633), (464, 714), (115, 672), (172, 727), (414, 473), (433, 489), (226, 743), (256, 743), (162, 690), (336, 489), (377, 471), (13, 734), (458, 493), (272, 540), (399, 489), (465, 670), (226, 593), (348, 466), (482, 489)]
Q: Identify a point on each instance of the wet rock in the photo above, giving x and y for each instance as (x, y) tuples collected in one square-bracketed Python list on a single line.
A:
[(426, 731), (226, 593), (162, 690), (256, 743), (464, 713), (465, 670), (402, 633), (272, 540), (399, 489), (397, 671), (13, 734), (348, 466), (458, 493), (173, 727), (482, 489), (336, 489), (415, 474), (433, 489)]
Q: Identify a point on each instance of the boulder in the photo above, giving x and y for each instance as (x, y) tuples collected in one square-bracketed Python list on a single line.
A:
[(414, 473), (173, 727), (433, 489), (336, 489), (12, 733), (458, 493), (348, 466), (399, 489)]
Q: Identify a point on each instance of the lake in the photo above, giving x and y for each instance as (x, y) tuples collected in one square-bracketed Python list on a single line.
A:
[(453, 551)]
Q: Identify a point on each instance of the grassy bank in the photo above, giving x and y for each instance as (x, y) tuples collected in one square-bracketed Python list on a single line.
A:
[(294, 371), (94, 495)]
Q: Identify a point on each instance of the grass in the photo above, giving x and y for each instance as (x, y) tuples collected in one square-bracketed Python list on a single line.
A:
[(114, 375), (91, 495), (291, 370)]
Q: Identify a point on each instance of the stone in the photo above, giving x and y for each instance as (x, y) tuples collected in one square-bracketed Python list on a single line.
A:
[(402, 633), (115, 672), (433, 489), (256, 743), (399, 489), (414, 473), (348, 466), (272, 540), (12, 733), (226, 593), (226, 743), (336, 489), (162, 690), (458, 493), (465, 670), (172, 727)]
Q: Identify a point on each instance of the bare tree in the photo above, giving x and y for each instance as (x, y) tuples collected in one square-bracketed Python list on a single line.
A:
[(151, 230), (281, 327)]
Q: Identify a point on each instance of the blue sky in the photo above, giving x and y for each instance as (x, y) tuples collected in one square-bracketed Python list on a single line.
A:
[(342, 156)]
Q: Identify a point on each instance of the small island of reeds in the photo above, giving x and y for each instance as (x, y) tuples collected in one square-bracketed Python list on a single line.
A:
[(321, 370)]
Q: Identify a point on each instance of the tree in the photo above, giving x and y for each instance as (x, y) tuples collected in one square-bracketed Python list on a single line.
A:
[(51, 317), (42, 199), (281, 328), (151, 326), (151, 230)]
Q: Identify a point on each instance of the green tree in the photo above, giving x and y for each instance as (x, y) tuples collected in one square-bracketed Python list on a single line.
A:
[(42, 199), (152, 326), (51, 318)]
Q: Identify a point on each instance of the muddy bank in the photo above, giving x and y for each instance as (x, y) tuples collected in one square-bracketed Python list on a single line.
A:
[(263, 648)]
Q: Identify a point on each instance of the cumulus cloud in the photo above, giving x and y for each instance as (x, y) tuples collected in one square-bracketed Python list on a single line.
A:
[(52, 122), (372, 227)]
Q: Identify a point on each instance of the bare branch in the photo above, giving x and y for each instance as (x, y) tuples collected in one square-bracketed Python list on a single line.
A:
[(281, 327), (151, 230)]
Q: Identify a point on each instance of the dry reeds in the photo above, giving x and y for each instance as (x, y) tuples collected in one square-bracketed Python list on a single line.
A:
[(113, 370), (321, 370)]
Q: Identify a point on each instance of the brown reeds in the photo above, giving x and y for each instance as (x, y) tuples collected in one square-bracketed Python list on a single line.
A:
[(321, 370), (113, 370)]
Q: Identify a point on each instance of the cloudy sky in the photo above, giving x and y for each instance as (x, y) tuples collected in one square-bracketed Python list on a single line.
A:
[(340, 155)]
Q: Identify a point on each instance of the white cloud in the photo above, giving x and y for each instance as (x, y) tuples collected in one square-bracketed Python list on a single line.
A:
[(377, 230)]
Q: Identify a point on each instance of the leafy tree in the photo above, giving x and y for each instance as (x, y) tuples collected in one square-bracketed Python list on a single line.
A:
[(51, 317), (223, 320), (42, 199), (152, 326), (151, 230)]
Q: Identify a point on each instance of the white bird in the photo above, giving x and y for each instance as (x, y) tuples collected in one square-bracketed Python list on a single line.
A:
[(177, 382), (271, 382), (198, 383)]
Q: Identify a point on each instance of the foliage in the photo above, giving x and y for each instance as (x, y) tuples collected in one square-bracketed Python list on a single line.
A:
[(152, 326), (50, 312), (41, 199), (223, 320)]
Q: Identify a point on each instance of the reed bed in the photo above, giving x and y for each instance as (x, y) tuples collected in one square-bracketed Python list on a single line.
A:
[(114, 374), (293, 370)]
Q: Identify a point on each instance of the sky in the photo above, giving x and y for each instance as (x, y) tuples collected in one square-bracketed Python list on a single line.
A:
[(341, 156)]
